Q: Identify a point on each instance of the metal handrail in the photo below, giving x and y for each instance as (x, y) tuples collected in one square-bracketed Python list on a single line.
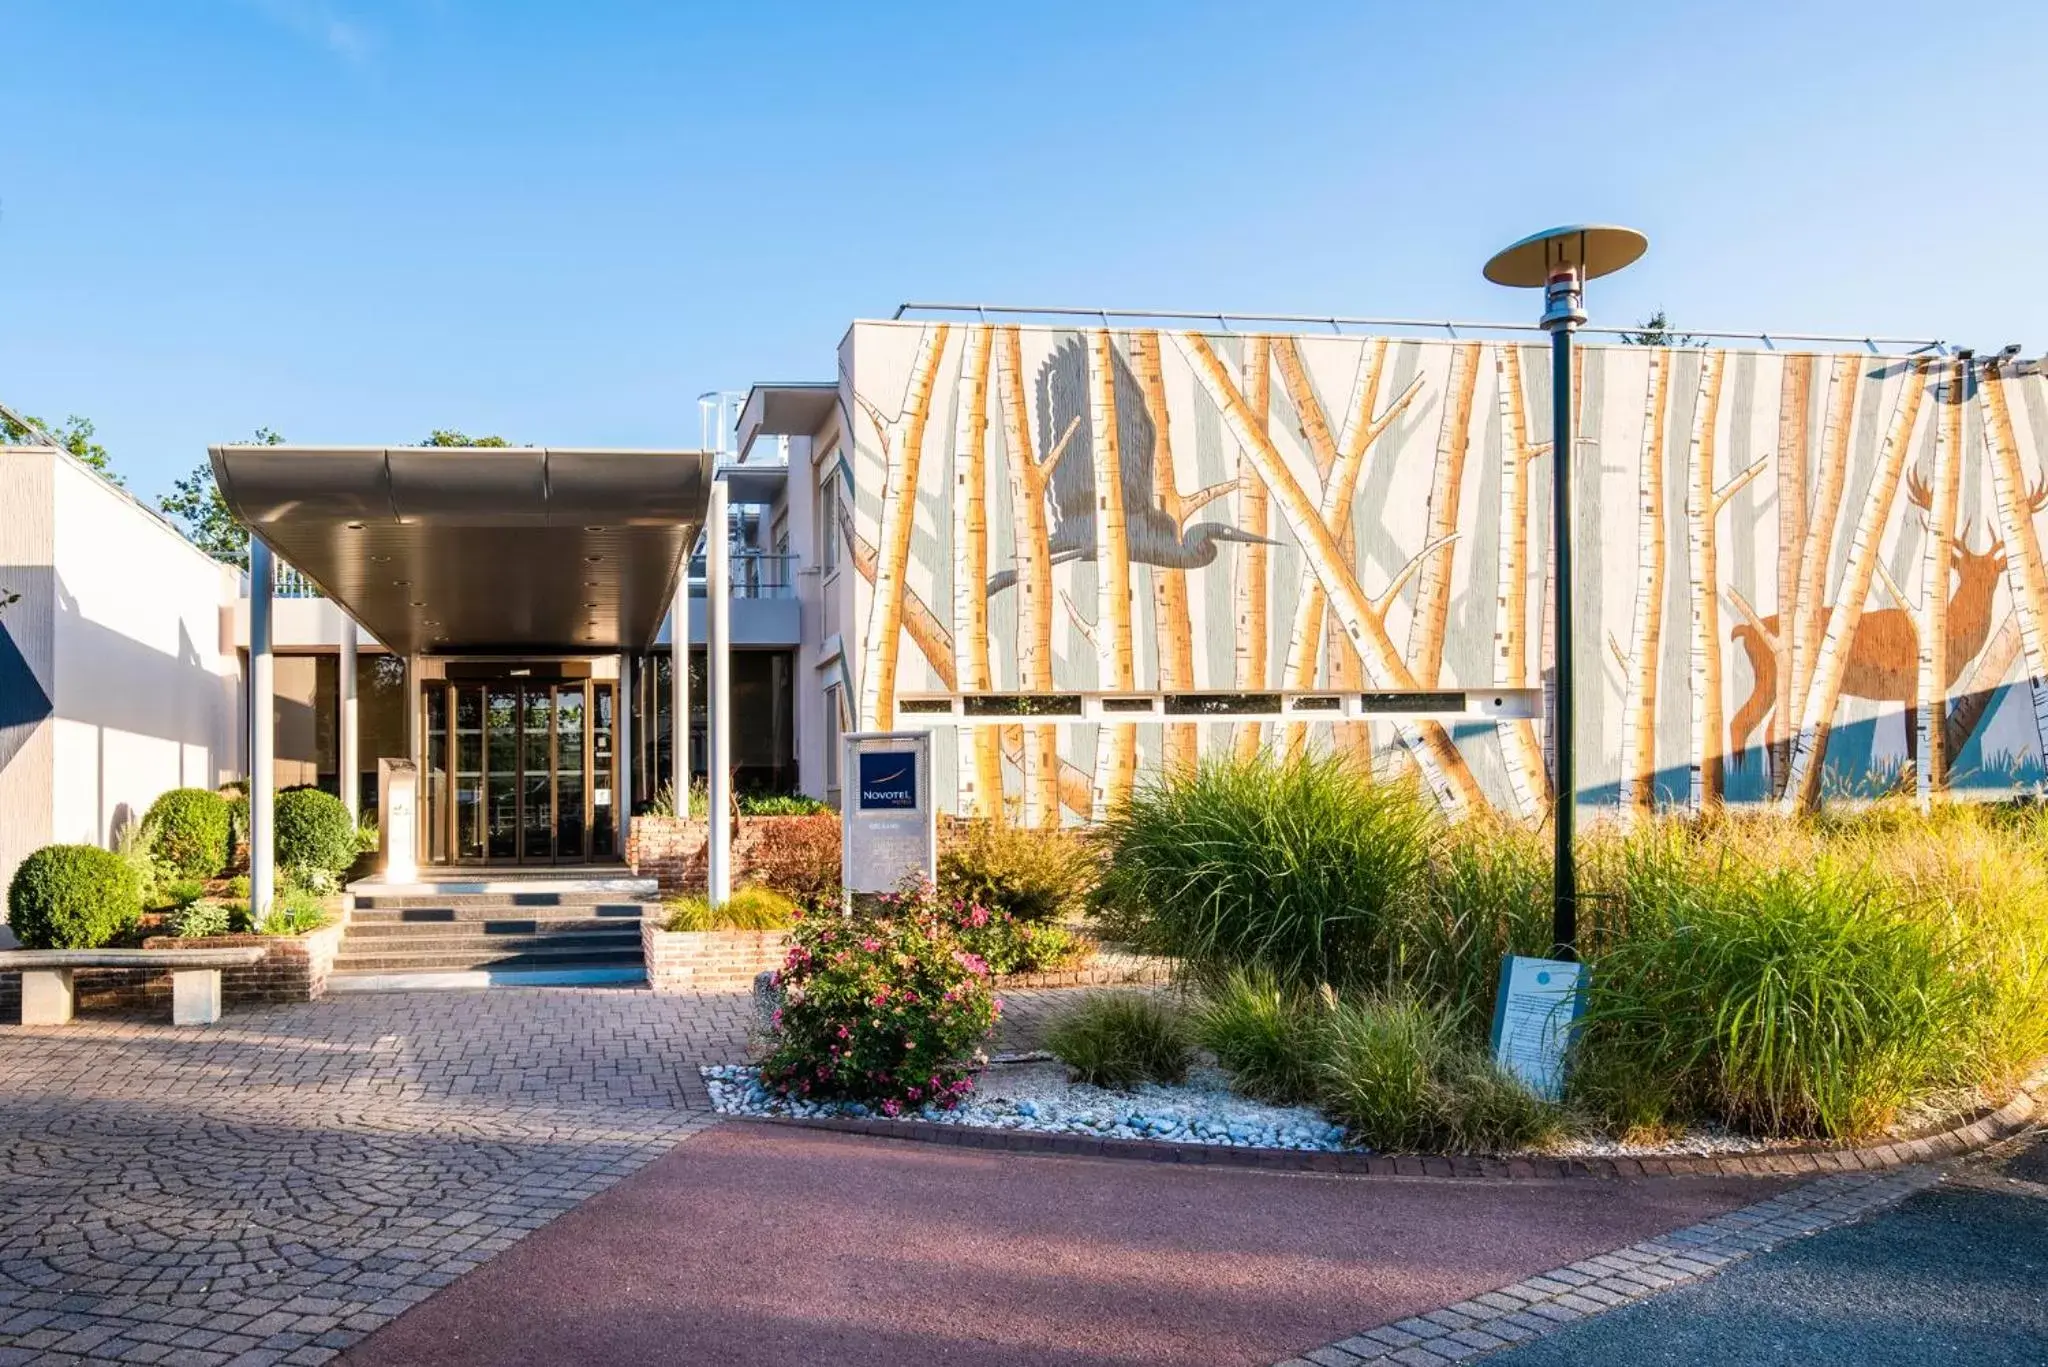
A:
[(289, 583), (1450, 326), (755, 574)]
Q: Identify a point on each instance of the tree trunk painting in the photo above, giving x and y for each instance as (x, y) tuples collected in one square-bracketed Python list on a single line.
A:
[(899, 513), (1986, 676), (1029, 475), (1931, 754), (1175, 633), (1340, 467), (1639, 704), (1831, 662), (1116, 753), (1072, 788), (1704, 503), (2017, 504), (1254, 518), (981, 756), (927, 633), (1528, 784), (1447, 485), (1443, 767), (1795, 397), (1818, 544)]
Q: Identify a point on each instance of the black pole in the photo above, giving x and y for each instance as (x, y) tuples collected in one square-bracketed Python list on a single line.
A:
[(1564, 898)]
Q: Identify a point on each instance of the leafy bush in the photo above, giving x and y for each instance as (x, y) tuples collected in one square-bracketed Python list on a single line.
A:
[(198, 920), (72, 897), (314, 882), (753, 908), (1013, 946), (1267, 1038), (294, 912), (887, 1007), (189, 830), (1394, 1072), (780, 804), (368, 838), (238, 886), (1027, 874), (184, 892), (1300, 866), (314, 831), (1120, 1039), (801, 862), (152, 875)]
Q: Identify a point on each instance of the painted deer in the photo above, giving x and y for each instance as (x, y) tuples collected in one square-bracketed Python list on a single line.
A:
[(1884, 654)]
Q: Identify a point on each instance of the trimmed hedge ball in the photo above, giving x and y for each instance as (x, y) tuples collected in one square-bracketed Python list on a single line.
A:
[(189, 829), (314, 831), (73, 897)]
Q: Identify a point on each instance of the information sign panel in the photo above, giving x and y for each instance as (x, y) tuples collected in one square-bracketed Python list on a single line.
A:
[(887, 819), (1535, 1016)]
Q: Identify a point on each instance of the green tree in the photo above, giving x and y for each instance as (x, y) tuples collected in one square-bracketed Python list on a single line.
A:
[(448, 436), (1656, 330), (75, 436), (195, 504)]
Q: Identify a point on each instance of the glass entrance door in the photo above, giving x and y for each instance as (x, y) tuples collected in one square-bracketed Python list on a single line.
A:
[(519, 774)]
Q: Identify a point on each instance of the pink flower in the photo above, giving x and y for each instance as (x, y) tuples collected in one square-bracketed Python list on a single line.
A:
[(978, 917), (892, 1107), (870, 944)]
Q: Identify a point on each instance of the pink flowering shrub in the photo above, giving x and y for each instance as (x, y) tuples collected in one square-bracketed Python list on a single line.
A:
[(887, 1007)]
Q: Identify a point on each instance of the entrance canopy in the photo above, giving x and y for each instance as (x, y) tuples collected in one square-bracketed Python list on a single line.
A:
[(440, 550)]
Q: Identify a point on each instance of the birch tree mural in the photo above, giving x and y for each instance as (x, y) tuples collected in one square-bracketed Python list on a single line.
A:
[(899, 510), (981, 758), (1931, 762), (1528, 778), (1838, 645), (1039, 756), (1704, 502), (1355, 476), (2017, 504), (1254, 519), (1116, 761), (1646, 642)]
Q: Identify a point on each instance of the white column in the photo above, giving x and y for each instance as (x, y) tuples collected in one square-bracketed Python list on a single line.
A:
[(348, 764), (679, 690), (415, 748), (622, 800), (718, 666), (262, 733)]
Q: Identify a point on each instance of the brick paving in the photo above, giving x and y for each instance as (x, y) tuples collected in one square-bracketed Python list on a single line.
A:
[(270, 1189)]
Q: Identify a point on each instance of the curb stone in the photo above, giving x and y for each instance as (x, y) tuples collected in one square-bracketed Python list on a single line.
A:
[(1539, 1305), (1890, 1156)]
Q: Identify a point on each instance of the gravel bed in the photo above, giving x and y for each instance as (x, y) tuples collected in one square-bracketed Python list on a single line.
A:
[(1038, 1097)]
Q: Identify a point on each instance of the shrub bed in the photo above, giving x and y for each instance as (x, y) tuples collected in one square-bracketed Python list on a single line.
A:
[(73, 897), (188, 830), (887, 1007)]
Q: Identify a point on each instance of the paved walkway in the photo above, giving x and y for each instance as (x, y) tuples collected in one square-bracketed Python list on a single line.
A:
[(271, 1188), (756, 1244)]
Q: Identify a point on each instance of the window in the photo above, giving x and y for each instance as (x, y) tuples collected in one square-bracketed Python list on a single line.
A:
[(828, 515), (832, 742)]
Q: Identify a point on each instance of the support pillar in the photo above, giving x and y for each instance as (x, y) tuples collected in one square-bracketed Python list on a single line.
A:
[(348, 764), (262, 733), (718, 668), (628, 694), (679, 691)]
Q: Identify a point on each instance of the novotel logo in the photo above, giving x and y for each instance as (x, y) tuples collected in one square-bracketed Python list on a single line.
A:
[(888, 781)]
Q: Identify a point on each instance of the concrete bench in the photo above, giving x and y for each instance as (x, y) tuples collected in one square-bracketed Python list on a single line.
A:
[(46, 995)]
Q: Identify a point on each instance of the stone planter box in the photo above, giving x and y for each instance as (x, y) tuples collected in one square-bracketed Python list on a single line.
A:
[(294, 969), (709, 960), (676, 851)]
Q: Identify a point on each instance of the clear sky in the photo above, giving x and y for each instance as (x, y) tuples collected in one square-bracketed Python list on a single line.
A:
[(356, 220)]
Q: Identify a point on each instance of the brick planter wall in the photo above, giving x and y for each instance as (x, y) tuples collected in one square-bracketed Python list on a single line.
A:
[(676, 851), (709, 960), (295, 969)]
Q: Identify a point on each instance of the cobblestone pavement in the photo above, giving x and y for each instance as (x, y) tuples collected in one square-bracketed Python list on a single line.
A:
[(269, 1189)]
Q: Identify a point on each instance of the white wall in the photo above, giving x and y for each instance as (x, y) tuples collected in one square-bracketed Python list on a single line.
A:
[(27, 674), (145, 699)]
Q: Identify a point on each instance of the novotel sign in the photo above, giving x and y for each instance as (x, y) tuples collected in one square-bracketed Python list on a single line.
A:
[(888, 823)]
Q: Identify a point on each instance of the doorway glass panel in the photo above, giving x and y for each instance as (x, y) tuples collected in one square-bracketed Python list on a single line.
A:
[(519, 769)]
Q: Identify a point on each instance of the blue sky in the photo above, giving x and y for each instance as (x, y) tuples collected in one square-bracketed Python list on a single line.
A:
[(356, 220)]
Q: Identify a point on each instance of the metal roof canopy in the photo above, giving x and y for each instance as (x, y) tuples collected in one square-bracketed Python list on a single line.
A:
[(439, 550)]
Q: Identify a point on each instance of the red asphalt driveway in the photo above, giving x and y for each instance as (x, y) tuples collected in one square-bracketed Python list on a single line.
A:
[(754, 1244)]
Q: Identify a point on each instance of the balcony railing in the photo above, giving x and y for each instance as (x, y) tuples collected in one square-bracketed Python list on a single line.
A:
[(755, 574), (289, 583)]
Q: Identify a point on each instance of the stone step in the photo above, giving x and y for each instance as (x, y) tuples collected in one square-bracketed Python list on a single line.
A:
[(460, 959), (469, 979), (499, 909), (385, 901), (484, 942), (512, 923)]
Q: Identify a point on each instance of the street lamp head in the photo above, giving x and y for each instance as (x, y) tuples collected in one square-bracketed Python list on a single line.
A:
[(1590, 250)]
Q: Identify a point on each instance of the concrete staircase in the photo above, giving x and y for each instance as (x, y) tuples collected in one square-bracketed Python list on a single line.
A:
[(529, 929)]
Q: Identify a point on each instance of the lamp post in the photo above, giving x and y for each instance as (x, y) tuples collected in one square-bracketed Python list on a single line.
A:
[(1560, 262)]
